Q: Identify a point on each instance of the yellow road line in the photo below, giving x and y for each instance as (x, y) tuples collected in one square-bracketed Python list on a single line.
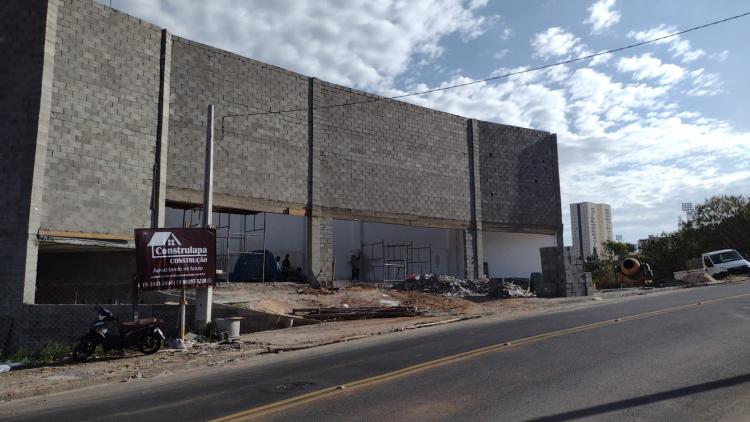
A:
[(305, 398)]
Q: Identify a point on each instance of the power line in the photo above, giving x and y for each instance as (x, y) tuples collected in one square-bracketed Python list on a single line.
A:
[(491, 78)]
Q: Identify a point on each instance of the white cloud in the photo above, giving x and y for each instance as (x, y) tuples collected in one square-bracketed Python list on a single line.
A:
[(704, 84), (604, 58), (720, 56), (647, 66), (358, 43), (601, 15), (556, 42), (500, 54), (507, 32), (679, 47)]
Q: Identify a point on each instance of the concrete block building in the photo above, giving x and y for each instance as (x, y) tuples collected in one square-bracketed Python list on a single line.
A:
[(103, 121)]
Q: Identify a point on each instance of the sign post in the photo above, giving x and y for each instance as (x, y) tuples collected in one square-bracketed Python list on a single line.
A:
[(175, 258)]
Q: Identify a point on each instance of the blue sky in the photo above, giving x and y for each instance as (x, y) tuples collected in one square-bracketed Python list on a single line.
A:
[(643, 130)]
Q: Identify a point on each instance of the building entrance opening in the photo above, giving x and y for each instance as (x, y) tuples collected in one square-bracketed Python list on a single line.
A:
[(252, 246), (380, 252)]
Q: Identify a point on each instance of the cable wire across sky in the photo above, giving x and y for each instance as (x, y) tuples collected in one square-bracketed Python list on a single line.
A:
[(491, 78)]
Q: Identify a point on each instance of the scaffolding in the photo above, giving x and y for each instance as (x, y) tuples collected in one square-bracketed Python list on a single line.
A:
[(419, 259), (394, 266), (394, 262), (372, 261), (231, 245)]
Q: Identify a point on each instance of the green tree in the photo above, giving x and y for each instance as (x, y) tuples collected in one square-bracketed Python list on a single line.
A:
[(602, 272), (617, 250)]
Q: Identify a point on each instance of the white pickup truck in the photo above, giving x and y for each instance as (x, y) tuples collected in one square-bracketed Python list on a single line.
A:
[(725, 262)]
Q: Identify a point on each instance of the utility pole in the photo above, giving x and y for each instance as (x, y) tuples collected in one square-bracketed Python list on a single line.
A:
[(204, 295)]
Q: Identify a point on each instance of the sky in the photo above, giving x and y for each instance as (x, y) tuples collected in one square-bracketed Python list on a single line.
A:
[(643, 130)]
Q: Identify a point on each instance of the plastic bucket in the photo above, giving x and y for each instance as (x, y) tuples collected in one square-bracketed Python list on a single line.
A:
[(230, 325)]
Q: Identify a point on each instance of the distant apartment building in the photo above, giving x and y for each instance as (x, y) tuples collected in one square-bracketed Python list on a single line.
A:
[(642, 243), (591, 225)]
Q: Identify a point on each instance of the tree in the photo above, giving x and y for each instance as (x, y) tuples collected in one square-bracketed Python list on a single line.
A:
[(717, 210), (618, 250), (722, 222)]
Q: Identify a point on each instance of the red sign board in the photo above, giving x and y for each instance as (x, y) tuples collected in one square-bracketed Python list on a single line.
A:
[(175, 258)]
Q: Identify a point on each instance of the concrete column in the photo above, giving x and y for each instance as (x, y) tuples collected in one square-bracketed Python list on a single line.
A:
[(162, 133), (320, 247), (36, 204), (473, 244), (30, 30), (319, 233), (558, 198)]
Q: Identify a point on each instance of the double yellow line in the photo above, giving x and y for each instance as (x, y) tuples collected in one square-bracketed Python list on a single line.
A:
[(314, 395)]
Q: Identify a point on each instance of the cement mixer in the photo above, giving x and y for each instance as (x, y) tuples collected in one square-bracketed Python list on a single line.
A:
[(630, 272)]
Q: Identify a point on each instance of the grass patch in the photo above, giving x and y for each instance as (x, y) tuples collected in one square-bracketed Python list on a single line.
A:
[(49, 353)]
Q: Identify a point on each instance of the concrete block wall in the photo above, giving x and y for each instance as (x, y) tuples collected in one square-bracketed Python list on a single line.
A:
[(103, 124), (563, 273), (256, 157), (389, 158), (520, 177)]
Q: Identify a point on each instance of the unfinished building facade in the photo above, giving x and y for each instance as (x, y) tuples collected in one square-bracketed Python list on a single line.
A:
[(103, 121)]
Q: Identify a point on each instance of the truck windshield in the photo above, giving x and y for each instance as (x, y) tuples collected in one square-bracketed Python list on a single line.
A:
[(720, 258)]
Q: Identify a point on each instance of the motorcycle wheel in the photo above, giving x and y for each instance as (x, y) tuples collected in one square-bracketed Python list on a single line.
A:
[(150, 344), (84, 349)]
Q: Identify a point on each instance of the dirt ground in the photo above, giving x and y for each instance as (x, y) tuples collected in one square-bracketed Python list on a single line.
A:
[(281, 298)]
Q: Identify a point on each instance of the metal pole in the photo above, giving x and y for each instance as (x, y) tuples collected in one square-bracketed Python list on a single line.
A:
[(182, 315), (204, 296), (263, 260), (333, 272)]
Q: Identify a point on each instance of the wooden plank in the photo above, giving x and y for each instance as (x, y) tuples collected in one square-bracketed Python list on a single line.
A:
[(84, 235)]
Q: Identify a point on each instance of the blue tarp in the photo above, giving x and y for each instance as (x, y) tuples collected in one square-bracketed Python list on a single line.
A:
[(248, 267)]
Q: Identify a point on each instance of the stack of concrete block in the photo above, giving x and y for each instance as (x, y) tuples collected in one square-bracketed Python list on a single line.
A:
[(563, 274)]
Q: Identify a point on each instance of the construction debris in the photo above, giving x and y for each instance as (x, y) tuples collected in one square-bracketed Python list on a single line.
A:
[(511, 289), (317, 292), (346, 312), (442, 284)]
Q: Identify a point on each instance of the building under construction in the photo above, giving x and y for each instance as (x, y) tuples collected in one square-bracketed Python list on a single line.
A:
[(103, 123)]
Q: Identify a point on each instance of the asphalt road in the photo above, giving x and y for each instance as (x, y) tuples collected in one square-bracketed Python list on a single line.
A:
[(680, 355)]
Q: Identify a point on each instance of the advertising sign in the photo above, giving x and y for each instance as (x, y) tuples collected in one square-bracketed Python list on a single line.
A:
[(175, 258)]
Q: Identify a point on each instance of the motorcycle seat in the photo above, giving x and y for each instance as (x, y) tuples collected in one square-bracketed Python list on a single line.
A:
[(132, 325)]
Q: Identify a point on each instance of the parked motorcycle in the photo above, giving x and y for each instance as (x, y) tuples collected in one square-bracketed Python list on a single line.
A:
[(143, 334)]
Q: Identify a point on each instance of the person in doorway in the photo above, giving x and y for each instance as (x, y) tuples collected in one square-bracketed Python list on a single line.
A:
[(278, 263), (354, 261), (286, 268)]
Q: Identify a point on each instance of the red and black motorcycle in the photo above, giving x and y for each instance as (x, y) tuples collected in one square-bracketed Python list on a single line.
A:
[(143, 334)]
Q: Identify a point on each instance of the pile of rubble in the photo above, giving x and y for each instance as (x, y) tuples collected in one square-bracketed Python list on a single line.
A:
[(443, 284), (451, 286), (512, 288), (365, 312)]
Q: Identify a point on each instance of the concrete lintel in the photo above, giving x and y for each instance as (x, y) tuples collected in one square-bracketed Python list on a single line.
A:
[(45, 233), (230, 202), (65, 244), (389, 218), (518, 228)]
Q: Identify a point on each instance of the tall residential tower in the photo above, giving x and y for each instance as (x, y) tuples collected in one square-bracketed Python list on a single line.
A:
[(591, 225)]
